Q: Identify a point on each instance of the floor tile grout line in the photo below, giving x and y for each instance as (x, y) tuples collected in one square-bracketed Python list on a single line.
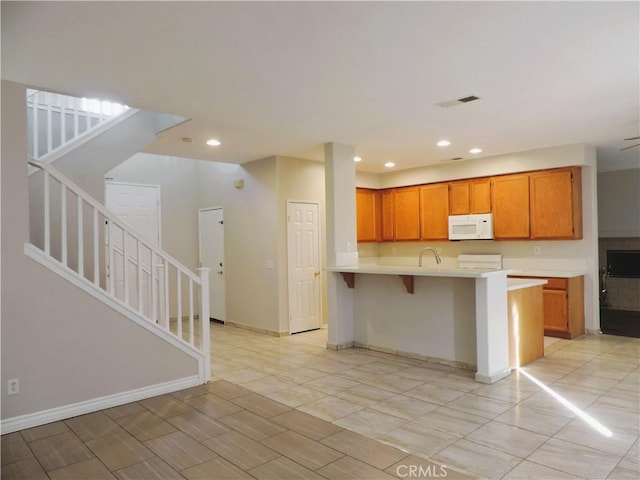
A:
[(519, 402), (557, 376)]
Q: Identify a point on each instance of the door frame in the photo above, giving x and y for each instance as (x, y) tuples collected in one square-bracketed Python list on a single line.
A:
[(319, 253), (149, 185), (205, 209)]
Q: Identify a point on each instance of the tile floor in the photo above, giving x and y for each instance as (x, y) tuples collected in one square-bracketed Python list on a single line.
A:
[(281, 408)]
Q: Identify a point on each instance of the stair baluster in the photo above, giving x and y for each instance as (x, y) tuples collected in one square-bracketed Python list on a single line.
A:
[(141, 277)]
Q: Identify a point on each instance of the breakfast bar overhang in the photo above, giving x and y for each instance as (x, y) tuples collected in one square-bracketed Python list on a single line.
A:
[(454, 316)]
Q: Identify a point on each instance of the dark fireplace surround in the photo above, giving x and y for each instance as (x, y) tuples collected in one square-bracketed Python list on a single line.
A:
[(619, 260)]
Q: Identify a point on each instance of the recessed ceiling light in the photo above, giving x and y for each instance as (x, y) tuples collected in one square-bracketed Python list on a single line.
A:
[(357, 159), (475, 150), (443, 143), (389, 164), (458, 101), (212, 142)]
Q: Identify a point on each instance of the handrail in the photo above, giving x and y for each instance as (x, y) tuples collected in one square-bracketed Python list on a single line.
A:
[(91, 113), (110, 216), (149, 280)]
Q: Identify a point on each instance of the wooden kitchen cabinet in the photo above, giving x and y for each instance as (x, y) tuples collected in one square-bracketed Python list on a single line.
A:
[(564, 307), (407, 213), (526, 325), (556, 204), (539, 205), (434, 211), (470, 196), (480, 196), (510, 206), (459, 198), (368, 215), (387, 198)]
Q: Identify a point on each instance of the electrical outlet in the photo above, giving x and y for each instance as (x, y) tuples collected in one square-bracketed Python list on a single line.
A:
[(537, 250), (14, 386), (438, 250)]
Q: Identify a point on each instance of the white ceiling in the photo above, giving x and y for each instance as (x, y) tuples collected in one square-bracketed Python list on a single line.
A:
[(283, 78)]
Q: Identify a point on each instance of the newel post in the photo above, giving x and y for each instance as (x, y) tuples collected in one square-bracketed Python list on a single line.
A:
[(205, 341)]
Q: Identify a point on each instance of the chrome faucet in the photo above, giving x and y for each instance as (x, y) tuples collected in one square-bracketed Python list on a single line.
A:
[(435, 253)]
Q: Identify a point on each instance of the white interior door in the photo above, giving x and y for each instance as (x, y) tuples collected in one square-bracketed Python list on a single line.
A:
[(139, 207), (303, 245), (212, 255)]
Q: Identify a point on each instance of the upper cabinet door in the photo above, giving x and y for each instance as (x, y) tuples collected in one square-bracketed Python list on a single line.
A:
[(470, 196), (434, 206), (556, 206), (480, 196), (459, 198), (368, 214), (407, 213), (388, 215), (510, 202)]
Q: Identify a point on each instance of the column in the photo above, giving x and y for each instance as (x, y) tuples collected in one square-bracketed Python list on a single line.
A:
[(492, 328), (341, 240), (340, 189)]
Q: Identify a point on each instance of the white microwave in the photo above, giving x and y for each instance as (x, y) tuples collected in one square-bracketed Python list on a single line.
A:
[(471, 227)]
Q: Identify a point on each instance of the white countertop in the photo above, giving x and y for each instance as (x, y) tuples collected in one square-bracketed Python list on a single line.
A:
[(518, 283), (420, 271), (546, 273)]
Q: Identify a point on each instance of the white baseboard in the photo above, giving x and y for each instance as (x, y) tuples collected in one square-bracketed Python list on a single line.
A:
[(43, 417), (253, 329)]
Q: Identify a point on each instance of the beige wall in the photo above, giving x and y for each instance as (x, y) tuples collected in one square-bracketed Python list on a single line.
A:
[(250, 229), (63, 345), (179, 199), (256, 231), (302, 181), (576, 154), (176, 178), (619, 203)]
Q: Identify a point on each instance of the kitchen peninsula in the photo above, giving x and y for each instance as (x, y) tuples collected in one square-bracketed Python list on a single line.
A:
[(455, 316)]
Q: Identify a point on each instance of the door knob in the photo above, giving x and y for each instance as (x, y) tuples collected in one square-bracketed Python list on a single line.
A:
[(316, 274)]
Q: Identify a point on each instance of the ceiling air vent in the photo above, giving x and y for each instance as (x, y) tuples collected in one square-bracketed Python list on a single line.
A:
[(458, 101), (454, 159)]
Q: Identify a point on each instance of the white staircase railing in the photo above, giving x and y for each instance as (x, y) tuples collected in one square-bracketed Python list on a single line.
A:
[(101, 250), (55, 120)]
